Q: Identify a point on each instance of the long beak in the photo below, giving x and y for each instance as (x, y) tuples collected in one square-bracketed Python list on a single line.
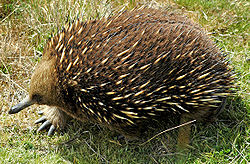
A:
[(20, 106)]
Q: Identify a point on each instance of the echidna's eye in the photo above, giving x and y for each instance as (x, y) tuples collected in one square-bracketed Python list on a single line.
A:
[(37, 98)]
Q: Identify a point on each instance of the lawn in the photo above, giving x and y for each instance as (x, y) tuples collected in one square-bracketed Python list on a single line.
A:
[(25, 27)]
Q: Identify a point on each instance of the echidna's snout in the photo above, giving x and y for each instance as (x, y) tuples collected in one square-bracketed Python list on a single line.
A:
[(20, 106)]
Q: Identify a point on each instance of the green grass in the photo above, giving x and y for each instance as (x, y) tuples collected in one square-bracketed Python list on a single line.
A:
[(24, 28)]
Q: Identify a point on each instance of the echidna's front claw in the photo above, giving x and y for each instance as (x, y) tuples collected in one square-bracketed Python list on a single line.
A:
[(40, 120), (51, 130), (44, 125), (40, 112)]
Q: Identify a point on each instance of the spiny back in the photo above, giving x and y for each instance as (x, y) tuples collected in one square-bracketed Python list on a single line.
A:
[(138, 64)]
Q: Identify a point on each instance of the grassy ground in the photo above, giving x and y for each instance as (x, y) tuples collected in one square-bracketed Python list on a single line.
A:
[(24, 29)]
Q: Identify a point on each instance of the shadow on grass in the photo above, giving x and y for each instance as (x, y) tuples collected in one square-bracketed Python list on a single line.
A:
[(220, 141)]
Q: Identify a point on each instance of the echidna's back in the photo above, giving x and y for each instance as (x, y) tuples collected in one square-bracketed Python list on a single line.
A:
[(137, 65)]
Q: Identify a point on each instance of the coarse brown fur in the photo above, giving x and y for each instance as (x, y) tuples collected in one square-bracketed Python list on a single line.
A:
[(130, 68)]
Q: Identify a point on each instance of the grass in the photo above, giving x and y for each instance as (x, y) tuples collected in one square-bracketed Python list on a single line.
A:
[(26, 25)]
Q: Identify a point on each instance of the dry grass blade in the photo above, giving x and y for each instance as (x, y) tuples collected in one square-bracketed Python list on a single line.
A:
[(167, 130)]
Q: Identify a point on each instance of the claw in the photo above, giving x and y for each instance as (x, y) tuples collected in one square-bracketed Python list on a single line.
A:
[(42, 119), (51, 130), (40, 112), (44, 125)]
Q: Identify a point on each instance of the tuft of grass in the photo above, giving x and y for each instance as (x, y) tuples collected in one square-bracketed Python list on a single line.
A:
[(25, 27)]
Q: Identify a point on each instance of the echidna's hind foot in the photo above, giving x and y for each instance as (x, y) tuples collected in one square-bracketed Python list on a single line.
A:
[(183, 134), (53, 117)]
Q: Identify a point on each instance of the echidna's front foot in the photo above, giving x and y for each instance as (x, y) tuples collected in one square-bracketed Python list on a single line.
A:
[(53, 117), (46, 123)]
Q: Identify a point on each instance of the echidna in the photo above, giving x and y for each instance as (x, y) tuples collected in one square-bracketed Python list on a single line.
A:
[(128, 69)]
